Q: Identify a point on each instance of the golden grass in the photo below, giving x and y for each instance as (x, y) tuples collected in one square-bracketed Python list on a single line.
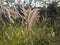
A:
[(31, 16)]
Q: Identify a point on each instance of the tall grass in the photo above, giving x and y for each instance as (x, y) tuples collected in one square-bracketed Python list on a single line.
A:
[(21, 36), (44, 32)]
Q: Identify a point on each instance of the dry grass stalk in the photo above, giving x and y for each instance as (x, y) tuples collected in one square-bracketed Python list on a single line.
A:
[(33, 19), (1, 11), (9, 15), (31, 16), (31, 13)]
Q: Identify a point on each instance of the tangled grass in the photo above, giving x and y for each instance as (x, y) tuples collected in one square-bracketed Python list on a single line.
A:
[(43, 26), (15, 35)]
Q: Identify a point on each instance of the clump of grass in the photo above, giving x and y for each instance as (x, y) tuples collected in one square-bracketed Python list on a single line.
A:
[(22, 36), (31, 16)]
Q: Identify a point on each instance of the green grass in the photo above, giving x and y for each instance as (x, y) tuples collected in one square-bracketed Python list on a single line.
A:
[(21, 36)]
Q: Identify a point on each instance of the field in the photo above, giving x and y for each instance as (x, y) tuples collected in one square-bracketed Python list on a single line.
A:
[(30, 26)]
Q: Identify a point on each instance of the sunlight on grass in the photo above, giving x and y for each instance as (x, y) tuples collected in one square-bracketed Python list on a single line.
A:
[(22, 36)]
